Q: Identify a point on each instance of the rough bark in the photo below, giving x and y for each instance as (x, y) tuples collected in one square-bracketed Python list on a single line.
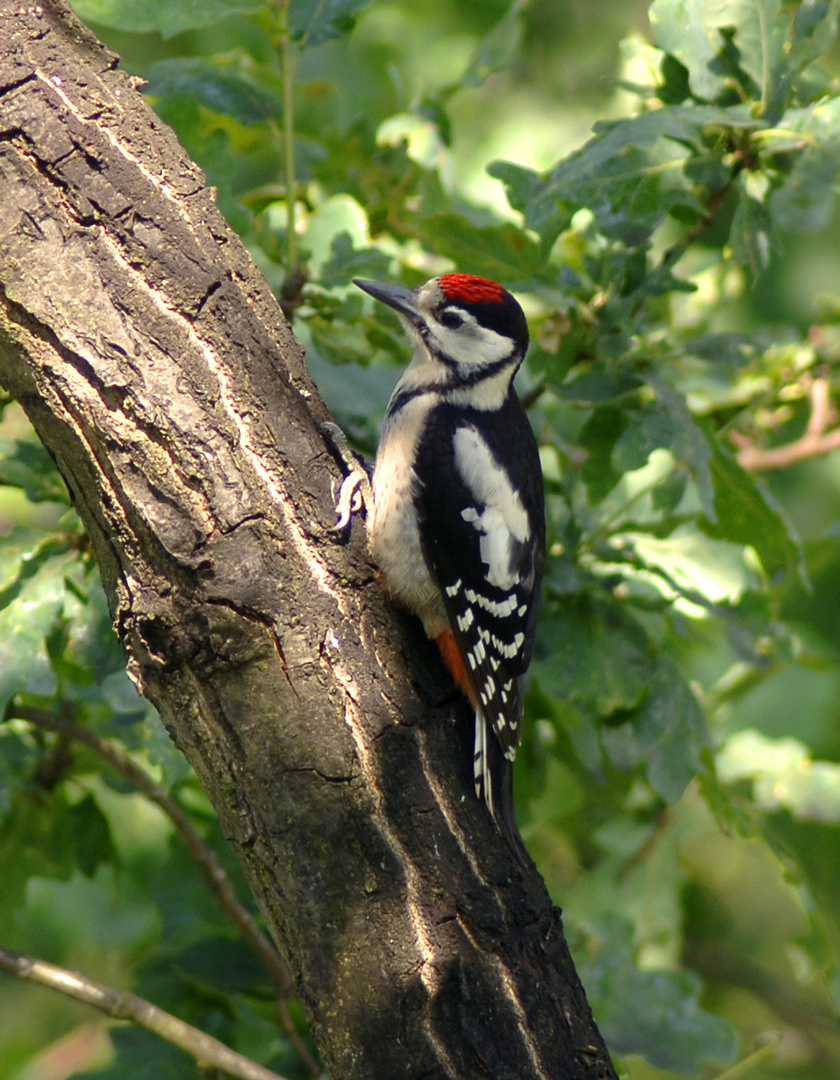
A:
[(157, 368)]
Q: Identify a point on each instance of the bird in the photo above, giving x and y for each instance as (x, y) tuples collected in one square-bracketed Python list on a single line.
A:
[(457, 524)]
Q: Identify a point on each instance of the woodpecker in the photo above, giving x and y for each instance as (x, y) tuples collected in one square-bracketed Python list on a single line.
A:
[(458, 520)]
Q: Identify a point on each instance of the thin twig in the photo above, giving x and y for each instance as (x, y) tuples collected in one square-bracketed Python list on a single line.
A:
[(747, 1064), (212, 871), (122, 1005), (815, 442), (217, 880), (288, 63), (820, 396), (675, 252), (533, 394), (754, 459)]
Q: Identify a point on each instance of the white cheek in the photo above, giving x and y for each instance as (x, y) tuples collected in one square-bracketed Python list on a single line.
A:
[(471, 345)]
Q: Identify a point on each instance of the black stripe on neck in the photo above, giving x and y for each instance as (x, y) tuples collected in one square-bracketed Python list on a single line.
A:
[(404, 396), (458, 381), (472, 376)]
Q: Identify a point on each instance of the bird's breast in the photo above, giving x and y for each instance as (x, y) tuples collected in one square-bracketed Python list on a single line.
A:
[(394, 536)]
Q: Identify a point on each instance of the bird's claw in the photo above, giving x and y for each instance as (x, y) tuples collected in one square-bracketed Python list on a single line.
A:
[(355, 492)]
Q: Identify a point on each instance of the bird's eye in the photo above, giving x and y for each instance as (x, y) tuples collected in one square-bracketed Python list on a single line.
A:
[(451, 319)]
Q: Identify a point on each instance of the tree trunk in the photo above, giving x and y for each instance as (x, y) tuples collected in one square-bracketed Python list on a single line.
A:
[(157, 368)]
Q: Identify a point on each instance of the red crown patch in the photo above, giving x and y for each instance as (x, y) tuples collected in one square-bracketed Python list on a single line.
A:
[(472, 289)]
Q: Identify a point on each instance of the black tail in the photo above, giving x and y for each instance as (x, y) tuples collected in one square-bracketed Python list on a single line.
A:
[(493, 774)]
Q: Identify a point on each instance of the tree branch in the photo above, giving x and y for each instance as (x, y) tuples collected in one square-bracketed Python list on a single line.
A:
[(156, 367), (817, 440), (122, 1005), (756, 459)]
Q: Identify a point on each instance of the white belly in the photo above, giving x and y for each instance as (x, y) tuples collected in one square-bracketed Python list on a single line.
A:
[(394, 539)]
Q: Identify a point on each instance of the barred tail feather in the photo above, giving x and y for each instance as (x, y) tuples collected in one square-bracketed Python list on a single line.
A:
[(493, 775), (481, 765)]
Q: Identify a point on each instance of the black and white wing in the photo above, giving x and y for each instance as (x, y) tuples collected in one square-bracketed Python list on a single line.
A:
[(481, 505)]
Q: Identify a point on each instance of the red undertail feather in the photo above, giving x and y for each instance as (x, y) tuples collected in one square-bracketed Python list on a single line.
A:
[(454, 661)]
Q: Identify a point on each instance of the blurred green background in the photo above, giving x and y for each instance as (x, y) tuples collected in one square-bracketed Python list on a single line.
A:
[(704, 913)]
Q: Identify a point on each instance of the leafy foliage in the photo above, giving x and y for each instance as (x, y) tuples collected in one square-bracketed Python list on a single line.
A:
[(652, 1013), (678, 783)]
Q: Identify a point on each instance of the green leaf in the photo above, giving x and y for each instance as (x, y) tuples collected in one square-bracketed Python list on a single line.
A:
[(357, 396), (215, 86), (55, 626), (673, 87), (170, 18), (27, 465), (671, 731), (653, 1013), (500, 252), (631, 175), (751, 232), (705, 572), (599, 437), (669, 494), (803, 199), (666, 423), (35, 839), (594, 657), (638, 874), (679, 28), (162, 751), (816, 125), (665, 736), (92, 835), (721, 41), (784, 775), (597, 660), (216, 961), (599, 381), (747, 514), (188, 911), (760, 36), (339, 342), (732, 813), (23, 553), (123, 698), (17, 761), (814, 30), (496, 51), (337, 231), (647, 428), (89, 644), (815, 18), (347, 262), (313, 22), (32, 595), (523, 184)]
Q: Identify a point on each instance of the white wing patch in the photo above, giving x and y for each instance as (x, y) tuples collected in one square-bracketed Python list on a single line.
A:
[(500, 608), (498, 515)]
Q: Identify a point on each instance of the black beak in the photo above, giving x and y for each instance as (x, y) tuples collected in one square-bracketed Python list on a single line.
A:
[(398, 297)]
